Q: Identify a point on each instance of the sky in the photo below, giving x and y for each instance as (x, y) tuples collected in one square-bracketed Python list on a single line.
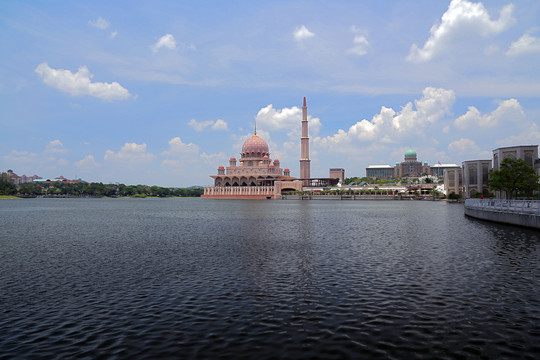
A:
[(163, 92)]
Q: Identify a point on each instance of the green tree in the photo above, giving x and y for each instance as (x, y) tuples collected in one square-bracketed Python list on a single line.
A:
[(6, 186), (514, 177)]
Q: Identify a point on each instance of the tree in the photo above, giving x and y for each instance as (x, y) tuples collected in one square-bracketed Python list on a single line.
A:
[(6, 186), (514, 177)]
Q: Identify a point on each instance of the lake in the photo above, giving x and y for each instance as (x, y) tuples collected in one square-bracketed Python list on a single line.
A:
[(201, 278)]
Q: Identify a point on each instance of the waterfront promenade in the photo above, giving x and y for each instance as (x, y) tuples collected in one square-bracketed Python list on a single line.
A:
[(516, 212)]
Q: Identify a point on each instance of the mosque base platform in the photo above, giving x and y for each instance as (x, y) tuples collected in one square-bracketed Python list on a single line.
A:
[(241, 197)]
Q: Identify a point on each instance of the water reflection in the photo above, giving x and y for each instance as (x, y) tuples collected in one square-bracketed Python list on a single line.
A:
[(189, 278)]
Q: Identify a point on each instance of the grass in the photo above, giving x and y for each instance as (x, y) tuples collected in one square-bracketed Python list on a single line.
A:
[(2, 197)]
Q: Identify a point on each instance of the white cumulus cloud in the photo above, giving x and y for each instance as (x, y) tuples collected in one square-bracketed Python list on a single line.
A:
[(301, 33), (433, 105), (218, 125), (508, 111), (468, 149), (177, 146), (360, 43), (80, 83), (87, 164), (99, 23), (131, 152), (285, 118), (388, 124), (463, 20), (166, 41), (55, 146), (527, 44)]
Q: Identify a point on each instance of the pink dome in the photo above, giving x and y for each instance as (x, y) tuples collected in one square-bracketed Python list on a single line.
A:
[(276, 161), (287, 170), (221, 167), (271, 165), (232, 158), (255, 144), (265, 157)]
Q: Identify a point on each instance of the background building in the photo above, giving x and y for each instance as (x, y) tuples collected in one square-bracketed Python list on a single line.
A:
[(337, 173), (383, 172), (410, 167), (16, 179), (529, 153), (453, 180), (475, 177)]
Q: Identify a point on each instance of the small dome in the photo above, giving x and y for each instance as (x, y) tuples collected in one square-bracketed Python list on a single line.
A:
[(232, 158), (255, 144), (271, 165), (276, 161), (265, 157), (287, 170), (221, 167)]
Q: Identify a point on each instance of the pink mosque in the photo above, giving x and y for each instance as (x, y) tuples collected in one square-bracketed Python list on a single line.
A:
[(257, 176)]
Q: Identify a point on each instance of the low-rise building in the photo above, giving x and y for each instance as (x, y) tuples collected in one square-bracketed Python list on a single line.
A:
[(337, 173), (380, 172)]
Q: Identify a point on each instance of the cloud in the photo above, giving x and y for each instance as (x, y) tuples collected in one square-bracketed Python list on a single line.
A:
[(176, 147), (434, 104), (87, 164), (363, 130), (218, 125), (388, 124), (48, 159), (462, 20), (130, 152), (80, 83), (301, 33), (18, 157), (468, 148), (360, 43), (100, 23), (285, 118), (166, 41), (530, 136), (508, 111), (213, 158), (527, 44), (113, 34), (55, 146)]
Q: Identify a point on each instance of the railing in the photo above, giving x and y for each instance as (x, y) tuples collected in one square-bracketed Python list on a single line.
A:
[(510, 206)]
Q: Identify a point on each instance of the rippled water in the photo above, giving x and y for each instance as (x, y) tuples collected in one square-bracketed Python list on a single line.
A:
[(194, 278)]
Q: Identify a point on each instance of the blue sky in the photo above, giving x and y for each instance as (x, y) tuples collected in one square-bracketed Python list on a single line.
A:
[(163, 92)]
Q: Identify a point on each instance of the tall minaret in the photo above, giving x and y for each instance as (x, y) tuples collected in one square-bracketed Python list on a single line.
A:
[(304, 144)]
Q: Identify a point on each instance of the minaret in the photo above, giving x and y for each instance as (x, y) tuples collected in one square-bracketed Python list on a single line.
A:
[(304, 144)]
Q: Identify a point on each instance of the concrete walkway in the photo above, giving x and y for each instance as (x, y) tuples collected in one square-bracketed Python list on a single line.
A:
[(516, 212)]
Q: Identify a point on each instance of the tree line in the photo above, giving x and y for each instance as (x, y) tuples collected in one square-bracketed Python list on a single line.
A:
[(82, 189)]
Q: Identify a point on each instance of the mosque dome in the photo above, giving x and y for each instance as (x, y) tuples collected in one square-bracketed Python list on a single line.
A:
[(232, 158), (276, 161), (286, 170), (255, 145), (271, 165), (221, 167), (410, 153)]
